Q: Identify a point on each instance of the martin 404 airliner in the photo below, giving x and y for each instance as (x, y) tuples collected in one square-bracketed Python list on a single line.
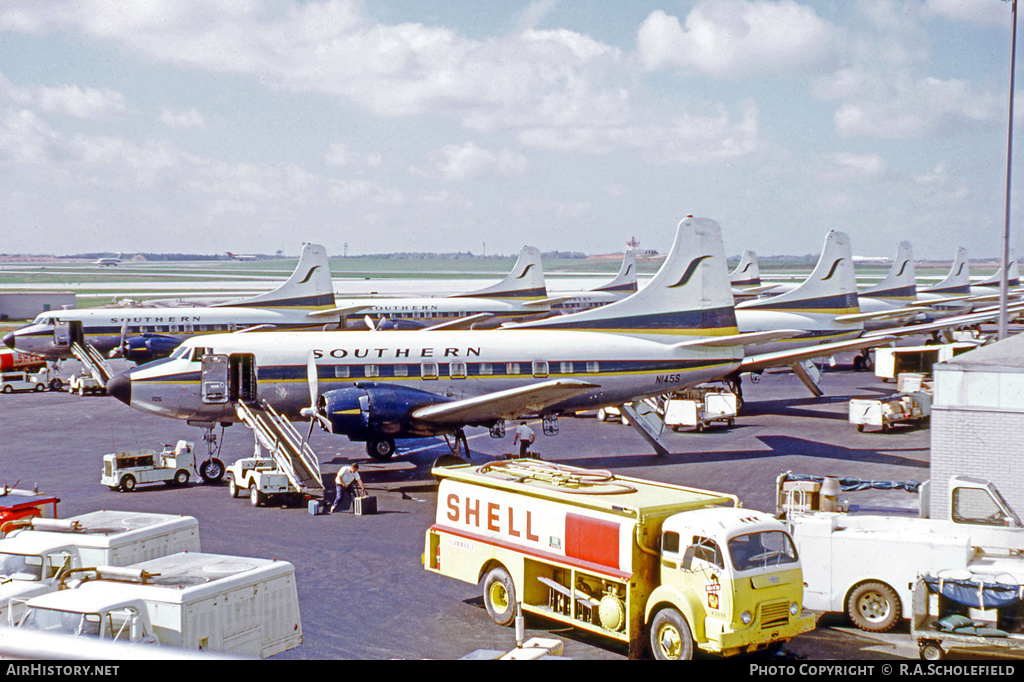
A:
[(378, 387), (139, 334)]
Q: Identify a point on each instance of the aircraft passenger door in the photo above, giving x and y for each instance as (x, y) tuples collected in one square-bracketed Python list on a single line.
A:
[(243, 377), (61, 333), (214, 378)]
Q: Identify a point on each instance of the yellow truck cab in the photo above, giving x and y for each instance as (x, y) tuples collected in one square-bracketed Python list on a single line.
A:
[(660, 567)]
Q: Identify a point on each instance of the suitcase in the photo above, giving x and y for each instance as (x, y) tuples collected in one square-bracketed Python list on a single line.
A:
[(317, 507), (365, 505)]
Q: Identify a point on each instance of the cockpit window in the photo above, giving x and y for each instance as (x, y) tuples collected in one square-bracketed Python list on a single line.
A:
[(178, 352)]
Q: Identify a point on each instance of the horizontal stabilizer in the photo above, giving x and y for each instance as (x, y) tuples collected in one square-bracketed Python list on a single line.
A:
[(342, 311), (740, 339), (883, 314), (507, 404)]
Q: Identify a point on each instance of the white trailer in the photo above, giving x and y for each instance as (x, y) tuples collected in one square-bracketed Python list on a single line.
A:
[(34, 558), (698, 407), (865, 565), (891, 361), (25, 380), (234, 605), (884, 413)]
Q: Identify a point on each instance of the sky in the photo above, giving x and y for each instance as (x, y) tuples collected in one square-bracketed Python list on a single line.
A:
[(252, 126)]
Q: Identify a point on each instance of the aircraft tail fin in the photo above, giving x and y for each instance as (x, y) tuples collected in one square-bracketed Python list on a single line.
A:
[(958, 281), (524, 283), (309, 286), (831, 287), (625, 281), (1013, 276), (689, 296), (900, 284), (747, 272)]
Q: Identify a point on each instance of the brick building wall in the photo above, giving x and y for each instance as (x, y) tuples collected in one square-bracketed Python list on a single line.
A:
[(977, 424)]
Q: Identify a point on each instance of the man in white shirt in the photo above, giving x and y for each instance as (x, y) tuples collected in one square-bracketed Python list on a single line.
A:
[(346, 482), (524, 436)]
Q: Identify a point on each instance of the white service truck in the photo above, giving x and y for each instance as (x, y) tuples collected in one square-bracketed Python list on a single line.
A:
[(865, 565), (173, 465), (261, 480), (210, 602), (655, 566), (26, 380), (34, 558), (83, 383)]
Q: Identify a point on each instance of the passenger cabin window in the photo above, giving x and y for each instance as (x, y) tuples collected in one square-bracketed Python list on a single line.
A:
[(593, 367), (511, 368), (341, 372), (428, 370), (401, 370), (540, 368), (457, 370), (565, 367), (486, 369), (371, 371)]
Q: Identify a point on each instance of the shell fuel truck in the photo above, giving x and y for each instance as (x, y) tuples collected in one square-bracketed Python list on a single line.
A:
[(642, 562)]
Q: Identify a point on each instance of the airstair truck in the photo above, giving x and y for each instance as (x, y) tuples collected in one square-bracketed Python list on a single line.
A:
[(865, 564), (224, 604), (633, 560), (34, 558)]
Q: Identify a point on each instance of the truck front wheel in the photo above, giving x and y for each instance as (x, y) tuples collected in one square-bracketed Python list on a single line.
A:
[(873, 607), (256, 498), (500, 596), (127, 483), (670, 636), (181, 477)]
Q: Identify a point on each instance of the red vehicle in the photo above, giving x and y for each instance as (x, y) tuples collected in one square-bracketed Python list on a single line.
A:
[(16, 505)]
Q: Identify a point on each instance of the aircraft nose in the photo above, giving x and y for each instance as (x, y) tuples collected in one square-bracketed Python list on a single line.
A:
[(120, 386), (9, 340)]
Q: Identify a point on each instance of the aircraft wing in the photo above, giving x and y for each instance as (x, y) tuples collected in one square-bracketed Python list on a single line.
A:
[(756, 362), (507, 404), (461, 323), (965, 320)]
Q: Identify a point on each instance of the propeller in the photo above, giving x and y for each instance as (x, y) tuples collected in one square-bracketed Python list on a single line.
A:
[(313, 380), (375, 327), (122, 345)]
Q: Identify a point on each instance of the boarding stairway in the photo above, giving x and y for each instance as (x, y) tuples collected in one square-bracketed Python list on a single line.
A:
[(285, 444), (93, 360)]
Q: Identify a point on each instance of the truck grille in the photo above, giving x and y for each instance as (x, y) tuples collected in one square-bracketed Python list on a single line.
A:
[(774, 614)]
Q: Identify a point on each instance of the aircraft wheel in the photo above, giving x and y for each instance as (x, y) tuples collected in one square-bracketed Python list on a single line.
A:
[(873, 607), (127, 483), (671, 639), (212, 470), (380, 449), (500, 596)]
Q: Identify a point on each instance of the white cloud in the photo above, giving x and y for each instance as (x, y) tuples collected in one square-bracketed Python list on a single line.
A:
[(190, 118), (905, 108), (970, 11), (738, 39), (469, 161)]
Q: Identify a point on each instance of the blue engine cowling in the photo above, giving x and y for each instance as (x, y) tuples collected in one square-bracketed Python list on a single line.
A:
[(149, 347), (368, 411)]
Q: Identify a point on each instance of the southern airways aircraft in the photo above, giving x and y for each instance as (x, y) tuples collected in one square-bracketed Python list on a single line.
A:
[(141, 333), (679, 330)]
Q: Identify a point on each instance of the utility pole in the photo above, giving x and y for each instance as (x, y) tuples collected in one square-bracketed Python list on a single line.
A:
[(1003, 281)]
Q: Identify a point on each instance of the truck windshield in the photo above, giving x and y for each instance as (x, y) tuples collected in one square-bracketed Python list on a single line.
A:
[(758, 550), (21, 566), (63, 622)]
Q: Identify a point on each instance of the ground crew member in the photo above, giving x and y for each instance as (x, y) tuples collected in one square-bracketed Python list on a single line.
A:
[(524, 436), (346, 482)]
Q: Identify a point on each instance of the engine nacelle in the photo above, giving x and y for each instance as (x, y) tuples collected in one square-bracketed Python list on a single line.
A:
[(369, 411), (149, 347)]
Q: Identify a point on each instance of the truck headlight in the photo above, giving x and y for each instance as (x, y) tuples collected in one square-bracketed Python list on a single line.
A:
[(794, 608), (745, 617)]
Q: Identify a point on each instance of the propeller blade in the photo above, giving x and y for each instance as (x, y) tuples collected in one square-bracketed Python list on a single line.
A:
[(313, 379), (369, 323), (119, 350)]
